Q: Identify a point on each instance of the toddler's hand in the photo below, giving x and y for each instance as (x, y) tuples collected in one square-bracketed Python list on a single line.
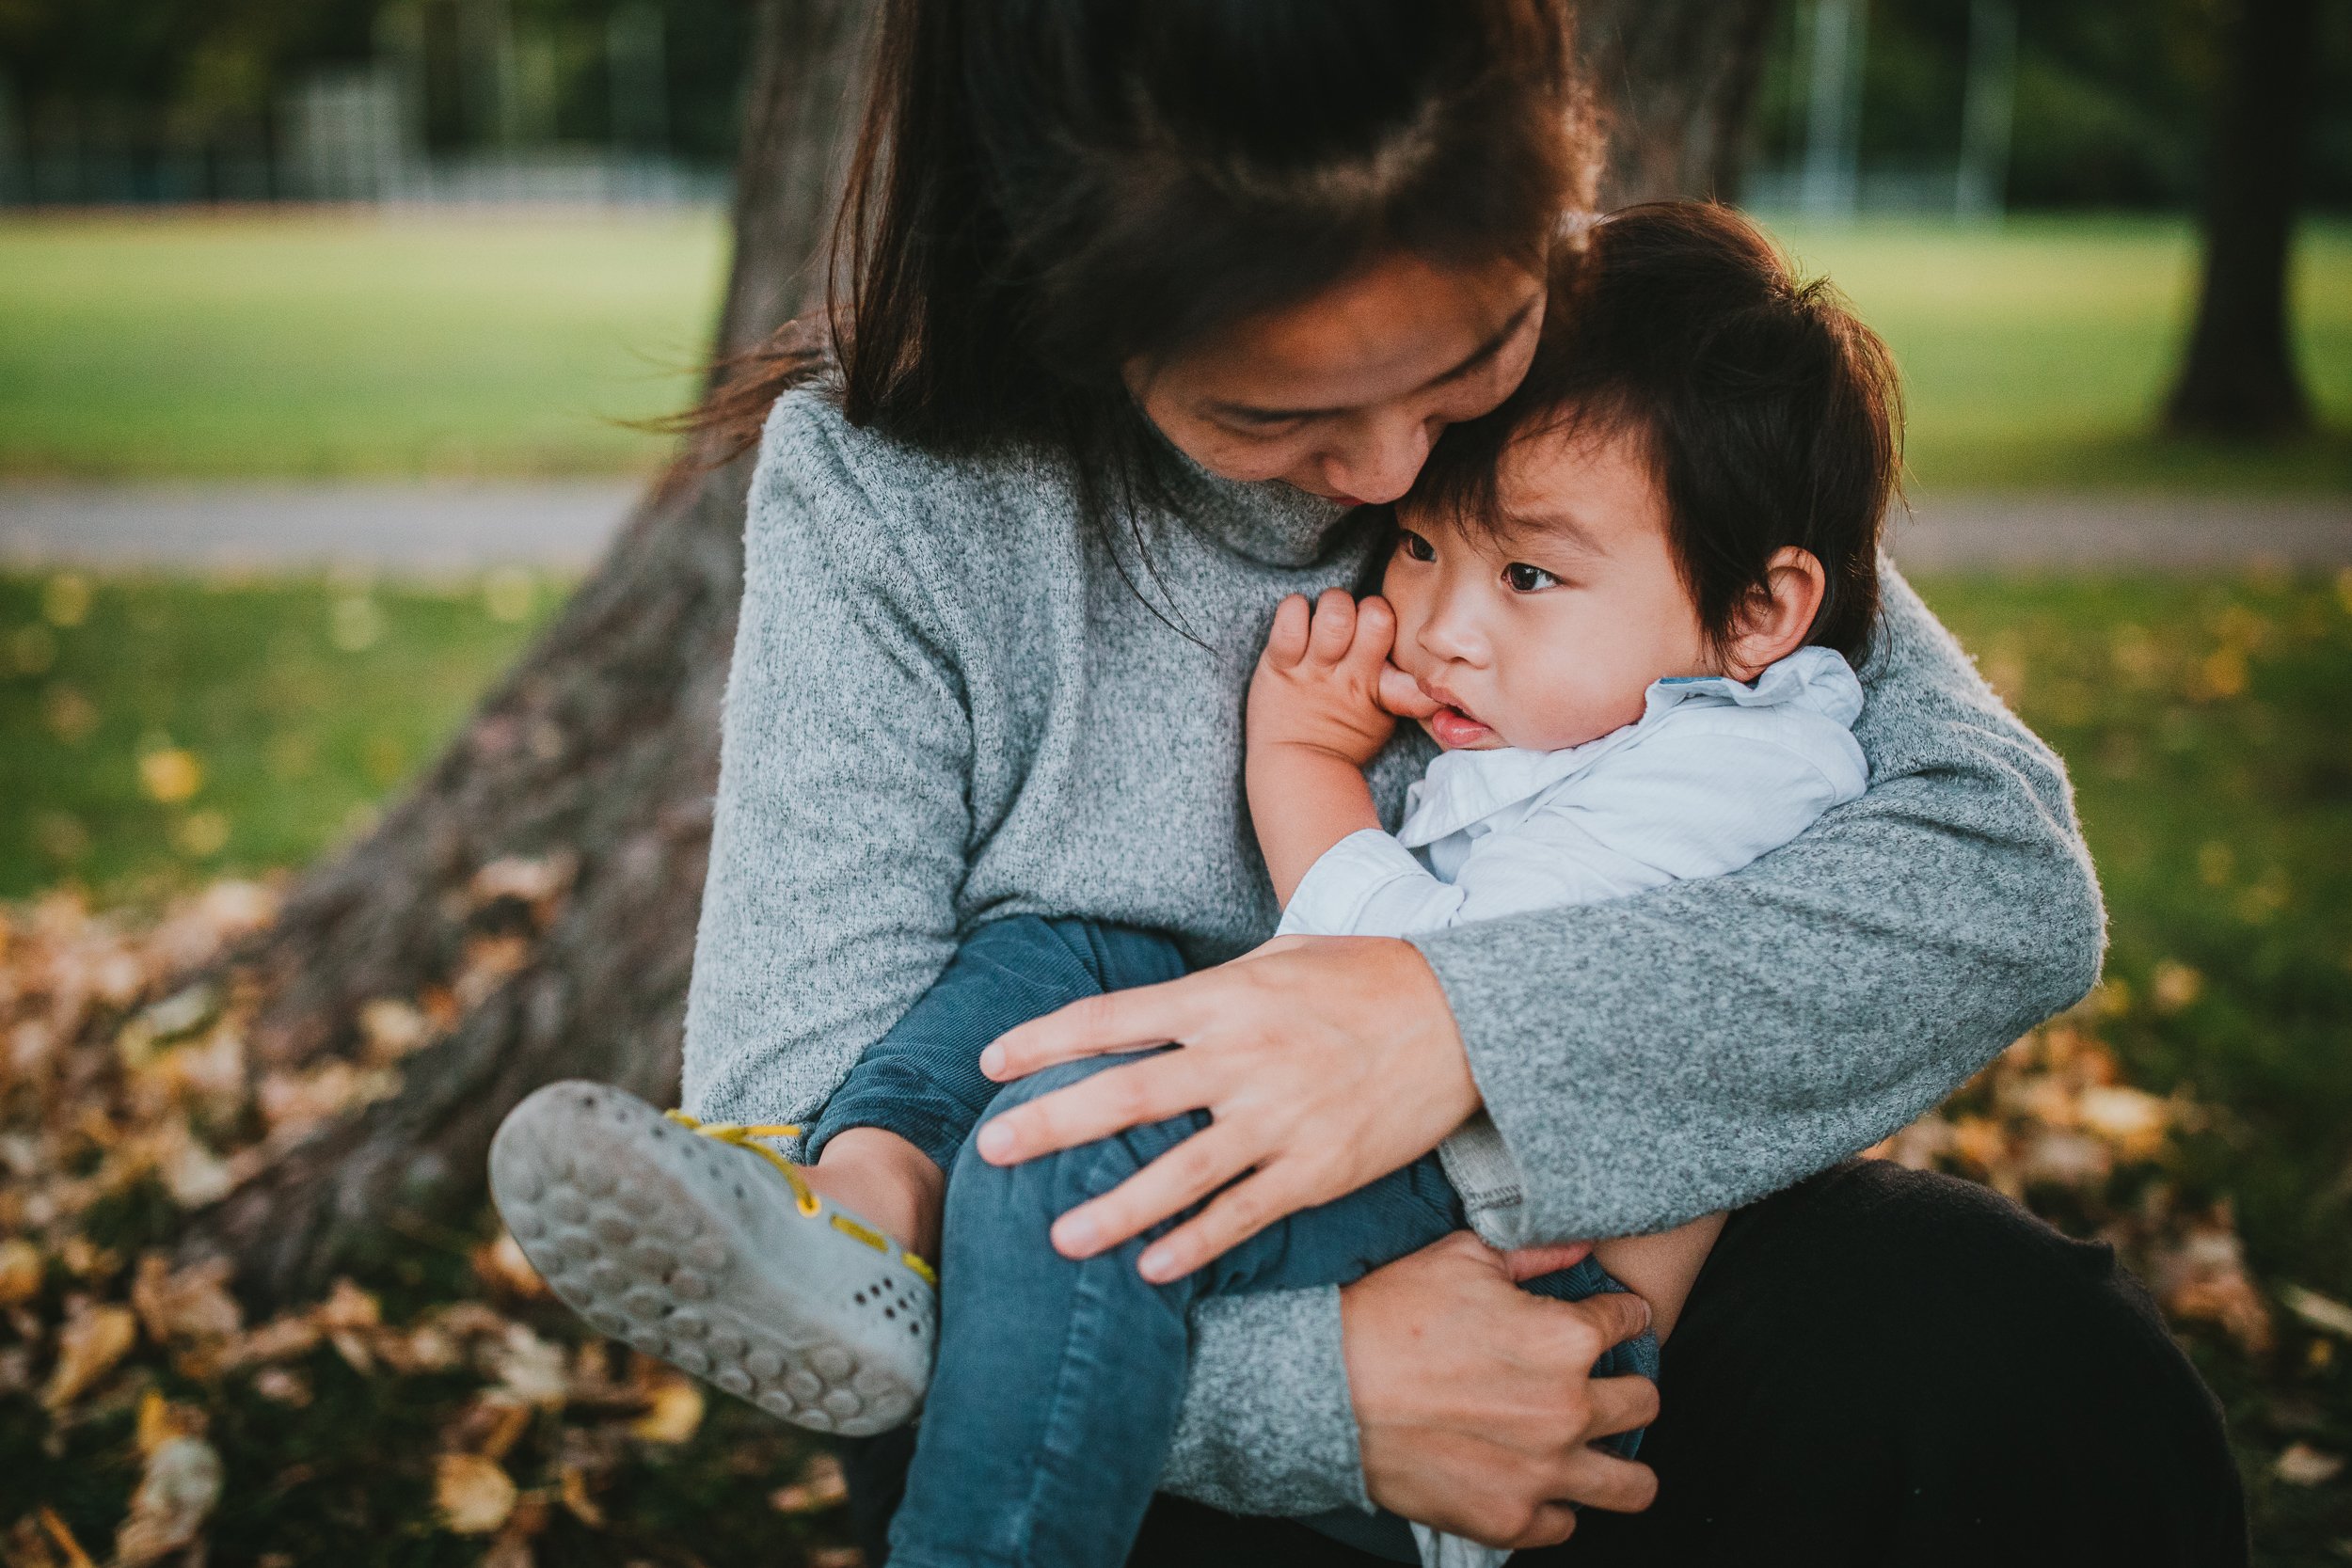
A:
[(1318, 682)]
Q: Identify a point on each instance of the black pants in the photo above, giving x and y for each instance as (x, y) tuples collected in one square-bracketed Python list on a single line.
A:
[(1877, 1366)]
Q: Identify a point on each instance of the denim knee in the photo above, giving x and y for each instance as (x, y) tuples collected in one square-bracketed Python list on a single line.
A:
[(1051, 1184)]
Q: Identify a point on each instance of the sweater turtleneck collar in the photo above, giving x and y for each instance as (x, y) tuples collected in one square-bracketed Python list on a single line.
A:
[(1263, 520)]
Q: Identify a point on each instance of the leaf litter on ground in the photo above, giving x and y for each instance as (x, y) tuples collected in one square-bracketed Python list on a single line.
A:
[(119, 1077)]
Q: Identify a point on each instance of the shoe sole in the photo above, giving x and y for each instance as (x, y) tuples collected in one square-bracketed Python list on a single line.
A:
[(695, 1251)]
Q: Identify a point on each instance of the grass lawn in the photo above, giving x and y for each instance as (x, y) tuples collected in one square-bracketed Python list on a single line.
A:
[(2035, 355), (155, 732), (317, 345)]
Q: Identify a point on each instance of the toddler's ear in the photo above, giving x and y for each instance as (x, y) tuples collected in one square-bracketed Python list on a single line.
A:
[(1773, 621)]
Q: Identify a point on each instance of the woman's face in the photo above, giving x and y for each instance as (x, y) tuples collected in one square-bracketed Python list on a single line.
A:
[(1343, 394)]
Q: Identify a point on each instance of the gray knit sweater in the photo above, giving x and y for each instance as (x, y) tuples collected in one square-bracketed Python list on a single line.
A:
[(951, 702)]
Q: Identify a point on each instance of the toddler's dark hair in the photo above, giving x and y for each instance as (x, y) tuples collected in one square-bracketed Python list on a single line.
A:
[(1773, 416)]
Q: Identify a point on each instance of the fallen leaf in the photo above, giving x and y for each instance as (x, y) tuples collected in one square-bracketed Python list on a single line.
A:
[(175, 1497), (675, 1414), (500, 1264), (821, 1486), (192, 1303), (279, 1339), (161, 1420), (529, 1369), (472, 1494), (60, 1532), (574, 1490), (94, 1337), (393, 1029), (2301, 1465), (21, 1270), (2321, 1312)]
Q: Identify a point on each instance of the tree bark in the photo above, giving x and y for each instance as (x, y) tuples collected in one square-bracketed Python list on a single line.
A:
[(537, 889), (2240, 377), (582, 783), (1678, 80)]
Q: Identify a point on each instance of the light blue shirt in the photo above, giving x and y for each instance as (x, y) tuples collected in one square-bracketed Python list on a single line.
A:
[(1715, 773)]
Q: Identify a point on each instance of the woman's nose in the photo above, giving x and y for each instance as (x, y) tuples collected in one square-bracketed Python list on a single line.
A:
[(1380, 458)]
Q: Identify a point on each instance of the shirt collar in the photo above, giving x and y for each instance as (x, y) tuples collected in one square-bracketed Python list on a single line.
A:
[(1461, 788)]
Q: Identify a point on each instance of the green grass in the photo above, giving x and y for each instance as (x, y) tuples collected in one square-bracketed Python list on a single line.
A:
[(2201, 718), (2035, 354), (154, 731), (318, 345)]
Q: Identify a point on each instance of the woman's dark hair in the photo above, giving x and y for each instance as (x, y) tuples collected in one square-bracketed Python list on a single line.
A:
[(1046, 190), (1771, 414)]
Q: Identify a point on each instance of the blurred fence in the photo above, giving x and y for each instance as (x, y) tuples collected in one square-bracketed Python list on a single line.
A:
[(339, 135)]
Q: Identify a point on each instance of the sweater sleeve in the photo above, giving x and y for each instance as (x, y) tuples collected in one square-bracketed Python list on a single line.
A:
[(829, 902), (1699, 1045), (830, 908)]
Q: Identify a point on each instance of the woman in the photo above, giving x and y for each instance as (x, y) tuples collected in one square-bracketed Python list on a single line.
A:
[(1144, 297)]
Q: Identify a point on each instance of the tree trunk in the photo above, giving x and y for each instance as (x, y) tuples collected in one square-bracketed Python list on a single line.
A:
[(537, 889), (1678, 79), (2240, 378), (582, 783)]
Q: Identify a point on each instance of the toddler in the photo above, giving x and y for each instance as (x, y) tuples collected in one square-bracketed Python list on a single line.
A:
[(1623, 604)]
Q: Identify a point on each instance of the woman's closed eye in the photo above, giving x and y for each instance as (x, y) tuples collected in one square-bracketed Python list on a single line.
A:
[(1524, 578)]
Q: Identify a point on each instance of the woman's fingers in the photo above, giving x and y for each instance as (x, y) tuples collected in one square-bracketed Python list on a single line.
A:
[(1094, 1025), (1589, 1326), (1594, 1479), (1620, 1404), (1234, 1215), (1532, 1263), (1168, 1186), (1149, 1089)]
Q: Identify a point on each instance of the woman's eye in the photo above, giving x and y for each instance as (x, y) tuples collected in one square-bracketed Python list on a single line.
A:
[(1415, 546), (1524, 578)]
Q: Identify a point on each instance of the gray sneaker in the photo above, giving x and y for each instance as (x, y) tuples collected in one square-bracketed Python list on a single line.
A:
[(704, 1246)]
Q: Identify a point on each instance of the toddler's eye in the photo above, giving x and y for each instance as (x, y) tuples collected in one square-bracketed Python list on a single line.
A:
[(1524, 578), (1415, 546)]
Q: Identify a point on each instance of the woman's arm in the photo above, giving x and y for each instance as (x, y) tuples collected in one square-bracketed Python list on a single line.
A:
[(1655, 1058), (839, 842), (1649, 1059)]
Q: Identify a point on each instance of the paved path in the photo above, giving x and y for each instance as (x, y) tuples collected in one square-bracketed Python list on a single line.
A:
[(458, 528)]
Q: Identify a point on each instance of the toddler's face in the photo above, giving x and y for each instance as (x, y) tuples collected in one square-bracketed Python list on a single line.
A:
[(1546, 635)]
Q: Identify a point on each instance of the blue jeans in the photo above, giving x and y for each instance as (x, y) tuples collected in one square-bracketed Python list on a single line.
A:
[(1058, 1382)]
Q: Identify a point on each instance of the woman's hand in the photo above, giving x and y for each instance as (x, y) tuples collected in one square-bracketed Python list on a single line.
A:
[(1476, 1403), (1326, 1062)]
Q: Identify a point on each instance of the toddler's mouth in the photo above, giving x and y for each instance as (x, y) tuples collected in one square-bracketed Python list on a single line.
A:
[(1452, 725)]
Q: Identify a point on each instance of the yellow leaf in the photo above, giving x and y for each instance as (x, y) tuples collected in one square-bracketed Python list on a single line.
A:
[(675, 1416), (19, 1271), (64, 599), (62, 1533), (171, 775), (473, 1495), (575, 1498), (94, 1337)]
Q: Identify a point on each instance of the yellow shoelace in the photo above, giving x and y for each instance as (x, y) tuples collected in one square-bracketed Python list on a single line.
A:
[(743, 1135)]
